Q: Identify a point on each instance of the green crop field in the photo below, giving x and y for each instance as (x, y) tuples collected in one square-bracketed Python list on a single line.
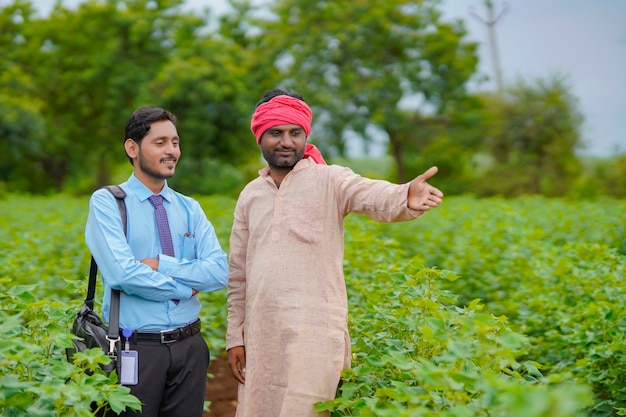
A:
[(484, 307)]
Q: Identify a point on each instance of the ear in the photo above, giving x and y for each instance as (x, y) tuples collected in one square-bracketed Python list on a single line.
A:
[(132, 148)]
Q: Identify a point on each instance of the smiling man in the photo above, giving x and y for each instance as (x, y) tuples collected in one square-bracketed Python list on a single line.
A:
[(287, 337), (159, 267)]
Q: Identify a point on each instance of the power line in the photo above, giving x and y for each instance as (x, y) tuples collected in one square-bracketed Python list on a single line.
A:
[(490, 22)]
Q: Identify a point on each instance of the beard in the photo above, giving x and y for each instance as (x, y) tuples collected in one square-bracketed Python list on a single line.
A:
[(151, 170), (275, 160)]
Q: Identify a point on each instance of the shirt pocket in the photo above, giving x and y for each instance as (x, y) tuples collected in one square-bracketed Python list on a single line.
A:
[(189, 246), (305, 221)]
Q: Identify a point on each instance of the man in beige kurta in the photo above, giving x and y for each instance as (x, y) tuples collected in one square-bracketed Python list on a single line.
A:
[(287, 332)]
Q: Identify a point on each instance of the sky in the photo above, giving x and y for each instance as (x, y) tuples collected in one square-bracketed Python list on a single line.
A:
[(583, 40)]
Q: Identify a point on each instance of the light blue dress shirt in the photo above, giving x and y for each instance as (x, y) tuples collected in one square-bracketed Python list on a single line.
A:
[(147, 297)]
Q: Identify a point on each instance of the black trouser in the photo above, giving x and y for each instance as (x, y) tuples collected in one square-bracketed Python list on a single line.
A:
[(172, 377)]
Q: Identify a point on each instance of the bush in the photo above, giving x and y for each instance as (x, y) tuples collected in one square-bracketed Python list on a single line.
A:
[(35, 377)]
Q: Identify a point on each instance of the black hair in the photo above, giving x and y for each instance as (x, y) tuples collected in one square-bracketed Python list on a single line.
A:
[(278, 92), (139, 122)]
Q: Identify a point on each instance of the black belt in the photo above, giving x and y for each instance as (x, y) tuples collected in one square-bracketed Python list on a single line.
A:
[(167, 336)]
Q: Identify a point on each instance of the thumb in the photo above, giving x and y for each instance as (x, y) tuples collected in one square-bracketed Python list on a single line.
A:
[(430, 172)]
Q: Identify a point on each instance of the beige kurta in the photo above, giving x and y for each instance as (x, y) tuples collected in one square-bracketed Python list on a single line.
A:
[(287, 299)]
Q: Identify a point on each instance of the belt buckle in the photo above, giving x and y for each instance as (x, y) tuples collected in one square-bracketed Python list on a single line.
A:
[(166, 342)]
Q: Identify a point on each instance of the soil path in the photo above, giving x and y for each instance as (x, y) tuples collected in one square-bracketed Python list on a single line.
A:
[(221, 390)]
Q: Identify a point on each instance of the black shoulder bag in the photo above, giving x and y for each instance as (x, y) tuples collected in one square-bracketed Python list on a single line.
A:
[(88, 325)]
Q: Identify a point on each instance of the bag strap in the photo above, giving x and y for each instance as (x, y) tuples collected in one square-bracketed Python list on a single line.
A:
[(114, 311)]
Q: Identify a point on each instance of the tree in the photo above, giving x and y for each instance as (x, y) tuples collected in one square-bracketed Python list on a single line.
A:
[(208, 86), (366, 64), (22, 126), (22, 131), (89, 64), (532, 136)]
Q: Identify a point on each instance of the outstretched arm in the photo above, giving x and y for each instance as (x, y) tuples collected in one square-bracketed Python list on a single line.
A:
[(423, 196)]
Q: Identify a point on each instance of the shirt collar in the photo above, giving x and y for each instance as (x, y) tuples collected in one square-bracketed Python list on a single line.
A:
[(144, 192)]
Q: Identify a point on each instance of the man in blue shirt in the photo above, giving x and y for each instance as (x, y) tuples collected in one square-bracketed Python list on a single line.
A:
[(158, 301)]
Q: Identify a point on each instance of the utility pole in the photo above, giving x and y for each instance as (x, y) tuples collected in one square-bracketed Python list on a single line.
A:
[(490, 22)]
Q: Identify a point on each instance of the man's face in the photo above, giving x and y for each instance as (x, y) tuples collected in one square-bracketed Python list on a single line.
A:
[(158, 152), (283, 145)]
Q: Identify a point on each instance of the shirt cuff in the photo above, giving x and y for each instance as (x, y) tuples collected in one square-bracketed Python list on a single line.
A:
[(167, 265), (183, 292)]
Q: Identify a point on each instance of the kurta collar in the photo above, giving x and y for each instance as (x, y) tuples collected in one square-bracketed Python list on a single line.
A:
[(300, 165)]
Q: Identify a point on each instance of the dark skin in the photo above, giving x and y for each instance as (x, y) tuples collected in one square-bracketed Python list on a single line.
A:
[(282, 147)]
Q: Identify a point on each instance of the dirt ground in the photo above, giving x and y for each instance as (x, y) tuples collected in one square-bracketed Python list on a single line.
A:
[(221, 390)]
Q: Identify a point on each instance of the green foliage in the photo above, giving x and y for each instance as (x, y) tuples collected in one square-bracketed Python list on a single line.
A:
[(45, 248), (100, 75), (207, 176), (44, 263), (212, 100), (22, 129), (416, 353), (555, 268), (532, 134), (529, 321), (22, 126), (35, 377), (377, 168), (394, 70), (219, 210), (358, 63), (102, 55), (602, 176)]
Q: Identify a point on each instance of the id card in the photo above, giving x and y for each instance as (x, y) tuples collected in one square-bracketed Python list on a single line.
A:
[(130, 367)]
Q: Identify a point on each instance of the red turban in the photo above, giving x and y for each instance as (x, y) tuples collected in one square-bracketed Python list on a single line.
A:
[(285, 110), (312, 152)]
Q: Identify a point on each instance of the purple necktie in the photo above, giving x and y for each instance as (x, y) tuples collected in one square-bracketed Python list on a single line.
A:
[(163, 225)]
